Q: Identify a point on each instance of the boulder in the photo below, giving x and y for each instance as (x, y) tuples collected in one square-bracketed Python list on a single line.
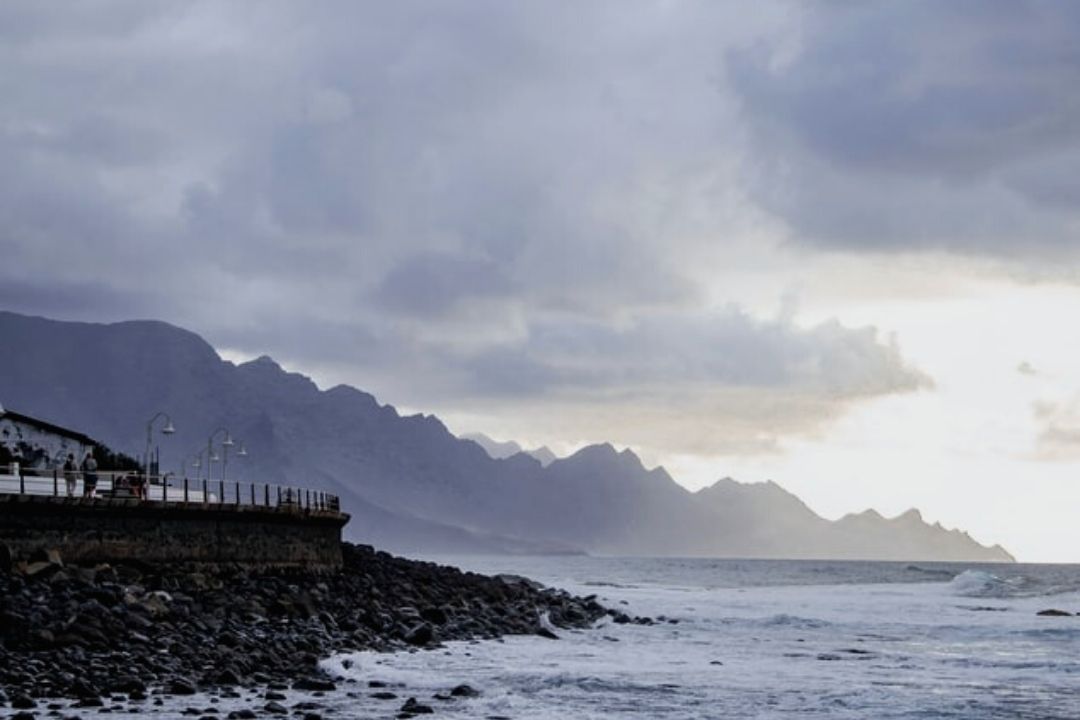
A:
[(411, 707), (464, 691), (179, 686), (46, 556), (310, 683), (421, 634)]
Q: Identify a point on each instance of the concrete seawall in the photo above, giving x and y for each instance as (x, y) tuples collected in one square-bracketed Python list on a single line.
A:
[(114, 530)]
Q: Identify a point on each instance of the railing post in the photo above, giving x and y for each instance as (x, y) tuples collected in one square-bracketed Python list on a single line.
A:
[(279, 496), (266, 493), (185, 491), (55, 483), (308, 494), (252, 493), (221, 487), (165, 490), (22, 483), (205, 492), (236, 489)]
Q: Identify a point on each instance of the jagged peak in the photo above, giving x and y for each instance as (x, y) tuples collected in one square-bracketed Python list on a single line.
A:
[(729, 483), (604, 449), (606, 452), (912, 515), (264, 362), (867, 514)]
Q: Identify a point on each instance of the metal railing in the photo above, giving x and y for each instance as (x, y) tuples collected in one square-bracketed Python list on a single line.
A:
[(169, 489)]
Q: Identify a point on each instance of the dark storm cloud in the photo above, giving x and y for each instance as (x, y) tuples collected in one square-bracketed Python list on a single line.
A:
[(434, 283), (450, 200), (903, 126)]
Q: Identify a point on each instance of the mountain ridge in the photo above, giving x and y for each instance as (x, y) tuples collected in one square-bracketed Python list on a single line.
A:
[(410, 483)]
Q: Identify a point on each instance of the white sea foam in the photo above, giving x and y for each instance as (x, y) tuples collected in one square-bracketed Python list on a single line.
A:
[(849, 651), (759, 650), (979, 583)]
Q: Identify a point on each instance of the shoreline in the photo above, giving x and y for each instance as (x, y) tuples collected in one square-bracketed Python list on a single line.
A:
[(130, 632)]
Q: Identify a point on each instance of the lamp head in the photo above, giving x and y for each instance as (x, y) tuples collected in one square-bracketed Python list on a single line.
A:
[(168, 429), (242, 452), (228, 441)]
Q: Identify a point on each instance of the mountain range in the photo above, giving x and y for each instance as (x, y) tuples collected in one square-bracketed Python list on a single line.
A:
[(410, 484), (500, 449)]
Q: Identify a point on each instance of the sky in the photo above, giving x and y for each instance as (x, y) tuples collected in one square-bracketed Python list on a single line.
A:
[(831, 244)]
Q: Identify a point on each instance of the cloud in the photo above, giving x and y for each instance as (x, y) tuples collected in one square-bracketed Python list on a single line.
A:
[(712, 383), (474, 203), (1058, 436), (919, 126)]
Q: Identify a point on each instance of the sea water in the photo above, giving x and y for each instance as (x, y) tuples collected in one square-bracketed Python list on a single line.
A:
[(750, 639), (763, 639)]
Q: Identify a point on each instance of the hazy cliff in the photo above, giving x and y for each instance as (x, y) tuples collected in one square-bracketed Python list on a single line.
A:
[(410, 483)]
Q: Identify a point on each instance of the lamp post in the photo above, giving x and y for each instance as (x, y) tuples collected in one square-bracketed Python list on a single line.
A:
[(167, 430), (196, 464), (242, 452), (225, 444)]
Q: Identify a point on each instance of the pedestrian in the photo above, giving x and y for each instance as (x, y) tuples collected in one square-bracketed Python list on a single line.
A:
[(138, 485), (71, 474), (90, 476)]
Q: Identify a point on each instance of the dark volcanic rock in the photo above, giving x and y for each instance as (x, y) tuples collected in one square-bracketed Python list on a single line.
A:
[(421, 634), (464, 691), (1053, 612), (83, 632), (412, 707)]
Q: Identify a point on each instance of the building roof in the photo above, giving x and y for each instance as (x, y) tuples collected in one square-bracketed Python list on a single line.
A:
[(47, 426)]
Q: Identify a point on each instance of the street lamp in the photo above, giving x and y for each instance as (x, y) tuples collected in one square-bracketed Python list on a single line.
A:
[(167, 430), (196, 464), (225, 445)]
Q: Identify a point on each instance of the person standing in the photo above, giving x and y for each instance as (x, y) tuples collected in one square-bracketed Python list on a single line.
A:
[(71, 475), (90, 478)]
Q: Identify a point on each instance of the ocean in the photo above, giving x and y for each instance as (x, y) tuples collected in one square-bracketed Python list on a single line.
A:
[(755, 639)]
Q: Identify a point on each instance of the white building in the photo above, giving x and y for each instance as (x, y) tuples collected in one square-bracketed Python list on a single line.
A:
[(38, 444)]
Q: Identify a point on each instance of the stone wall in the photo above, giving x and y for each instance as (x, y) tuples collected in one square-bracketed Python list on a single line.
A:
[(114, 530)]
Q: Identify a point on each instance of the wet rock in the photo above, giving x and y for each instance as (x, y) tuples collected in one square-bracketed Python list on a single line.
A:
[(314, 684), (74, 631), (464, 691), (1053, 612), (412, 707), (51, 557), (22, 702), (421, 634), (180, 686), (228, 676)]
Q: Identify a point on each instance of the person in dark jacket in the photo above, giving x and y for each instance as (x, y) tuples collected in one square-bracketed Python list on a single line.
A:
[(71, 474), (90, 477)]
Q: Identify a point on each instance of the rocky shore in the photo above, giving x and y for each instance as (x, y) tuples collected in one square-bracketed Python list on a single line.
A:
[(132, 633)]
